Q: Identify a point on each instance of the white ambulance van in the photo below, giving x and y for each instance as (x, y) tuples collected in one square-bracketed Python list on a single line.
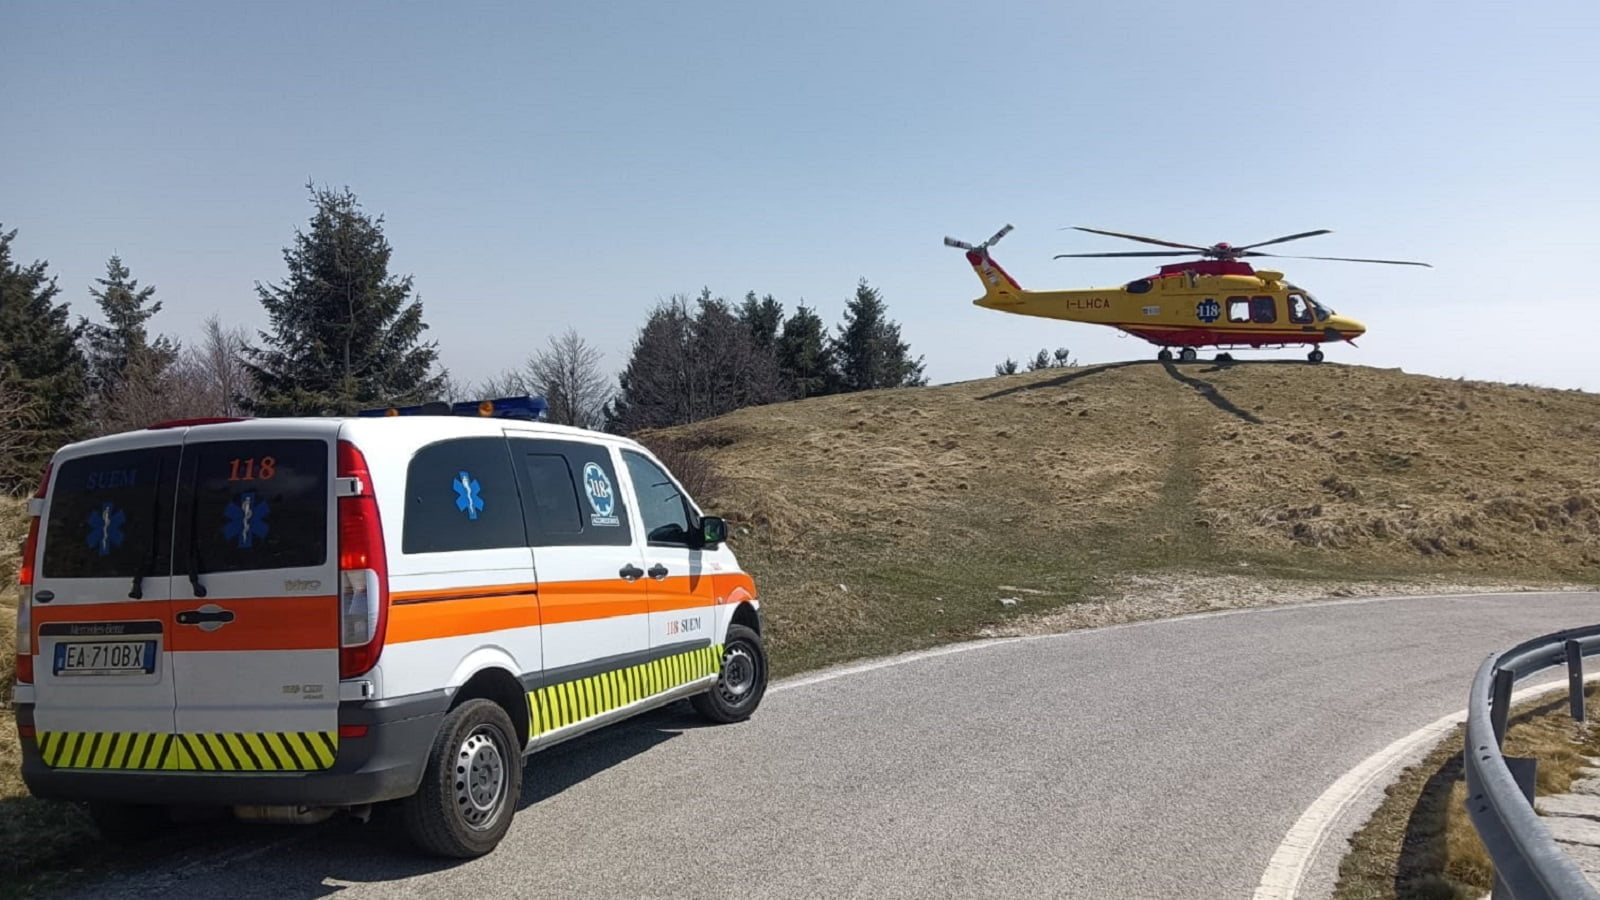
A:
[(296, 616)]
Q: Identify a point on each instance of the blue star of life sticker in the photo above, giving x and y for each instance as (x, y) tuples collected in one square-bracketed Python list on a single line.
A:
[(467, 499), (247, 520), (105, 528), (1208, 311)]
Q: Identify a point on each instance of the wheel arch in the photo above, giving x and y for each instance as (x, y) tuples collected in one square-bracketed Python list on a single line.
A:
[(499, 686)]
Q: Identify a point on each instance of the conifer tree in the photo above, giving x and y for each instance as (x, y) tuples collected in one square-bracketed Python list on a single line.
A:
[(123, 360), (346, 334), (41, 369), (868, 347), (805, 356)]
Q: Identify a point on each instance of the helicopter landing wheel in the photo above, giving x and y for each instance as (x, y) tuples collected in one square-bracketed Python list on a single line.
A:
[(1165, 355), (1315, 356), (1188, 354)]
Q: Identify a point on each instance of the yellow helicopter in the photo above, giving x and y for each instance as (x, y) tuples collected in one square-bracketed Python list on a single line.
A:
[(1215, 301)]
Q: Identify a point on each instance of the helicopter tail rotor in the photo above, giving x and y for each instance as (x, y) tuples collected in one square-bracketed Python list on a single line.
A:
[(999, 287)]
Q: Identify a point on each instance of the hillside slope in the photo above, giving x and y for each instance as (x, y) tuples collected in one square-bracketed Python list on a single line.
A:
[(896, 518)]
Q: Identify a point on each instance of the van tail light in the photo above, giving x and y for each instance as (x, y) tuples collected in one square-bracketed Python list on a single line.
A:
[(30, 550), (363, 570)]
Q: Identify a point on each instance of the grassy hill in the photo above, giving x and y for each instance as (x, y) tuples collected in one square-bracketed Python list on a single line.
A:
[(892, 520)]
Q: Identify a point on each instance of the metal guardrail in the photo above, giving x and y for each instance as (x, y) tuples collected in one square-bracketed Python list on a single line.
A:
[(1528, 864)]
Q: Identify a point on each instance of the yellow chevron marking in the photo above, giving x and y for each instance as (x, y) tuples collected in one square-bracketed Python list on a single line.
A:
[(207, 752), (556, 706)]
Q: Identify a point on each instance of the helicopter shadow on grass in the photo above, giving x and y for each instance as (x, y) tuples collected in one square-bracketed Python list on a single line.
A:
[(224, 858), (1205, 388)]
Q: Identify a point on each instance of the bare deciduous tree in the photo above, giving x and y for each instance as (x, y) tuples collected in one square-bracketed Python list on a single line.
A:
[(568, 375), (209, 378)]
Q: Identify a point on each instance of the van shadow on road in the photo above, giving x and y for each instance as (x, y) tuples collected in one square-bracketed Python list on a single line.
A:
[(224, 858)]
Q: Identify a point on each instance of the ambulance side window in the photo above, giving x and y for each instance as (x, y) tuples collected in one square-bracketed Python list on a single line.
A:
[(662, 506), (570, 494), (462, 494)]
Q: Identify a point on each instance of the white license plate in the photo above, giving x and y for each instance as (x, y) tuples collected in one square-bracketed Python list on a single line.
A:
[(105, 657)]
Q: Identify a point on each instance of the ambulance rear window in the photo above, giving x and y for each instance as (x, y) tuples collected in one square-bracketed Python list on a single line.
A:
[(259, 504), (111, 515)]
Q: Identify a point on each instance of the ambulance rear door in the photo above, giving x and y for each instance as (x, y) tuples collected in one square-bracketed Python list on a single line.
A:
[(255, 635), (101, 607)]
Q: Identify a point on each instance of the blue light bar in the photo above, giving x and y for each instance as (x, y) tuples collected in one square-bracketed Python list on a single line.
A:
[(529, 408)]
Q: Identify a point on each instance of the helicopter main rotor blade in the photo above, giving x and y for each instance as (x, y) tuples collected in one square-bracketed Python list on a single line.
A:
[(1129, 253), (1387, 262), (1135, 237), (1288, 237)]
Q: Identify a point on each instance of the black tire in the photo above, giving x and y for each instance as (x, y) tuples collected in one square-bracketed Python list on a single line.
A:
[(1164, 355), (1188, 354), (742, 682), (128, 823), (1315, 356), (470, 788)]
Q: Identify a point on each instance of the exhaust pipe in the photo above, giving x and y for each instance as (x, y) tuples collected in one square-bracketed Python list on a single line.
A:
[(284, 815)]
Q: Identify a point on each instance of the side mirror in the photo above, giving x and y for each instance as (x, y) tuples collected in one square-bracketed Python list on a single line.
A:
[(713, 531)]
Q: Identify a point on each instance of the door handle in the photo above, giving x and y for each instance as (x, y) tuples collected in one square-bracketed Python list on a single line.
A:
[(209, 617), (630, 572), (658, 571)]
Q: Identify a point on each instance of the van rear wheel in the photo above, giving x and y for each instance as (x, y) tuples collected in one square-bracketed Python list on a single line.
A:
[(470, 788), (742, 682)]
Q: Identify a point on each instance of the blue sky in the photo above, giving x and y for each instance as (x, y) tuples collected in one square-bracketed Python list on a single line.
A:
[(545, 166)]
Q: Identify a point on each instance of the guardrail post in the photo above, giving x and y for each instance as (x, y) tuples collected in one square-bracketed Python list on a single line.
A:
[(1525, 771), (1575, 680), (1500, 702)]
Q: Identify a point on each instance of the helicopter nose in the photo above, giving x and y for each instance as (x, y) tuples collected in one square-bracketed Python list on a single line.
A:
[(1348, 329)]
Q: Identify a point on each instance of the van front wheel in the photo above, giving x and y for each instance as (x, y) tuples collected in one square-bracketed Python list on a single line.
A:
[(470, 788), (742, 682)]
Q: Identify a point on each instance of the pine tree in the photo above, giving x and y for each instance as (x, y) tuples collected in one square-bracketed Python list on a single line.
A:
[(805, 356), (41, 369), (763, 318), (692, 365), (124, 363), (868, 346), (345, 333)]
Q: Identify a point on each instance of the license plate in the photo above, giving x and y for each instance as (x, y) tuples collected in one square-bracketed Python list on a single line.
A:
[(105, 657)]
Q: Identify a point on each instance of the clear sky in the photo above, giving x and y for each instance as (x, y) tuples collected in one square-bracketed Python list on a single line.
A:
[(546, 165)]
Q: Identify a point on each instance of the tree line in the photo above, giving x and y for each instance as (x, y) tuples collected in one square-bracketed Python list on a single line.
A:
[(344, 334)]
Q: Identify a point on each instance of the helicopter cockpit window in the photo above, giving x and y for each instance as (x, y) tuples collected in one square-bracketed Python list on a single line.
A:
[(1142, 286), (1299, 310), (1322, 311), (1238, 309), (1263, 310)]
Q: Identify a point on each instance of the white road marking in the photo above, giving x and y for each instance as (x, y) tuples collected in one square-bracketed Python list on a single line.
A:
[(1287, 868)]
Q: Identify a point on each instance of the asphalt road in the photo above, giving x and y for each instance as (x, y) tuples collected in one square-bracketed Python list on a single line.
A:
[(1165, 759)]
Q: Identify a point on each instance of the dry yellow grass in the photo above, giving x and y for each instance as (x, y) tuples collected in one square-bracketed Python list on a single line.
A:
[(1420, 842), (922, 501)]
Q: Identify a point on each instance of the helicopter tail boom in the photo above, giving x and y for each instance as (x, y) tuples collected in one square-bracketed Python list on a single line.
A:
[(998, 285)]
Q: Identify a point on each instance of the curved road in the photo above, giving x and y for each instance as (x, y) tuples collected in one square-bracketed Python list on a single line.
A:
[(1162, 759)]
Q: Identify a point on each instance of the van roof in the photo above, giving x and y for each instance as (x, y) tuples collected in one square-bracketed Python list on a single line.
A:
[(406, 430)]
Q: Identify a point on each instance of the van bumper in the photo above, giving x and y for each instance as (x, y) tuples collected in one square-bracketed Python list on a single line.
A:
[(384, 764)]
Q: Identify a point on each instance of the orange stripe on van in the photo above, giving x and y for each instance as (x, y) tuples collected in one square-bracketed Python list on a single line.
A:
[(302, 622), (420, 621), (585, 601)]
